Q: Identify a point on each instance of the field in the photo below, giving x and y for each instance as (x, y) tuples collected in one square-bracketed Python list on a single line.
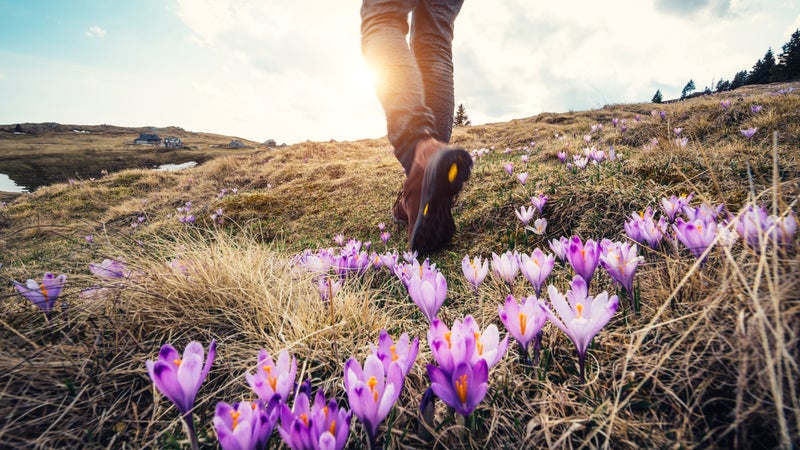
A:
[(708, 358)]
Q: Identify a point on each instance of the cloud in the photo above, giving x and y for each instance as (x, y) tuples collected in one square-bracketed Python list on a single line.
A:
[(95, 32)]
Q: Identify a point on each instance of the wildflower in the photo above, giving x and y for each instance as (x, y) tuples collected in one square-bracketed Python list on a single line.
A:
[(562, 156), (524, 158), (704, 212), (539, 202), (464, 388), (579, 316), (372, 392), (245, 425), (524, 214), (474, 271), (682, 142), (505, 266), (381, 226), (539, 226), (522, 178), (748, 133), (614, 122), (179, 378), (44, 294), (536, 268), (270, 379), (402, 353), (110, 269), (697, 235), (385, 236), (525, 321), (725, 104), (583, 257), (339, 239), (428, 291), (89, 238), (674, 204), (755, 109), (580, 163), (662, 114), (643, 229), (559, 247), (410, 256), (323, 425), (620, 260), (677, 131), (509, 168), (328, 287), (389, 260)]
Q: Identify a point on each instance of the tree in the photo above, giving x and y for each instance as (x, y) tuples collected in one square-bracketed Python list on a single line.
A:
[(688, 89), (762, 70), (657, 98), (738, 79), (461, 119), (723, 85), (788, 67)]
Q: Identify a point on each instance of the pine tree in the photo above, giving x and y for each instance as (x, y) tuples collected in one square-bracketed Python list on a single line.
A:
[(461, 119), (723, 85), (789, 66), (688, 89), (738, 79), (657, 98), (762, 70)]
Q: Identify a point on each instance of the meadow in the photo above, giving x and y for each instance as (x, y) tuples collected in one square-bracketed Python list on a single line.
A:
[(704, 354)]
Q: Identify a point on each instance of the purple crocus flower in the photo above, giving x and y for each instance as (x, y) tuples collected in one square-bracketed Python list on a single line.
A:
[(179, 377), (579, 316), (538, 202), (755, 109), (539, 226), (505, 266), (725, 104), (385, 236), (583, 257), (536, 268), (704, 212), (696, 235), (620, 260), (428, 291), (403, 353), (748, 133), (562, 156), (671, 206), (524, 214), (677, 131), (371, 392), (522, 177), (525, 321), (381, 226), (464, 388), (389, 260), (110, 269), (314, 427), (475, 271), (559, 248), (488, 345), (328, 287), (273, 380), (509, 168), (338, 239), (44, 294), (245, 425)]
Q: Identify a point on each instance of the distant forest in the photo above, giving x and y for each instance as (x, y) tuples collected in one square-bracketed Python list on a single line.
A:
[(767, 69)]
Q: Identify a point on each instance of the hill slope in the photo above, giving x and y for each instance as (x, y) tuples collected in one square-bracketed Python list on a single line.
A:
[(708, 360)]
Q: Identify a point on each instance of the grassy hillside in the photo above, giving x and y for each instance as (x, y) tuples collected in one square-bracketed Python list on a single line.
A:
[(709, 360)]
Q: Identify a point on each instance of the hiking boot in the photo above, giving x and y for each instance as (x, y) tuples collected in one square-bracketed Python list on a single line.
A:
[(437, 174), (399, 215)]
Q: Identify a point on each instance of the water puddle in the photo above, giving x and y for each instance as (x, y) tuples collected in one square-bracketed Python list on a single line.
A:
[(8, 185)]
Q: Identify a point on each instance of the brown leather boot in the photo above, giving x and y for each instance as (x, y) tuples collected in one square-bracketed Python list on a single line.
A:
[(437, 174)]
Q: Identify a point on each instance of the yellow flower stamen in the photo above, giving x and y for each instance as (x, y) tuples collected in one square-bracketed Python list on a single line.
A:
[(393, 349), (478, 344), (177, 362), (272, 380), (304, 418), (523, 322), (461, 388), (372, 382), (447, 338), (332, 429), (235, 416), (579, 308)]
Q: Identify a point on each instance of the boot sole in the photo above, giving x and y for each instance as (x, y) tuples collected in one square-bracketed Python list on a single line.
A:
[(445, 174)]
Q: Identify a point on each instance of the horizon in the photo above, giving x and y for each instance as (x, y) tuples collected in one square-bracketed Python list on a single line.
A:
[(257, 71)]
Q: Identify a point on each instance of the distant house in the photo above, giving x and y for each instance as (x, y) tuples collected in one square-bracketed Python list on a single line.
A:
[(173, 142), (235, 143), (148, 139)]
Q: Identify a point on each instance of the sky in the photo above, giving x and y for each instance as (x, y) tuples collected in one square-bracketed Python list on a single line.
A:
[(293, 70)]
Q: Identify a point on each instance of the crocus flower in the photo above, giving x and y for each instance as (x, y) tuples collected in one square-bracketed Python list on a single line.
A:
[(671, 206), (677, 131), (509, 168), (428, 292), (505, 266), (270, 379), (523, 177), (725, 104), (524, 214), (559, 248), (488, 345), (245, 425), (539, 226), (755, 109), (314, 427), (381, 226), (536, 268), (464, 388), (538, 202), (583, 257), (385, 237), (696, 235), (704, 212), (179, 377), (748, 133), (389, 260), (579, 316), (562, 156), (620, 260), (525, 321), (474, 271), (338, 239), (110, 269), (403, 353), (44, 294), (328, 287), (371, 392)]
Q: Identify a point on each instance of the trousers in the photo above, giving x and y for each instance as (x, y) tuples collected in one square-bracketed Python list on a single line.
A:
[(414, 76)]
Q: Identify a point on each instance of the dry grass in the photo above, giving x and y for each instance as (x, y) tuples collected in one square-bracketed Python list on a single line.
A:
[(710, 361)]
